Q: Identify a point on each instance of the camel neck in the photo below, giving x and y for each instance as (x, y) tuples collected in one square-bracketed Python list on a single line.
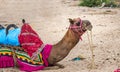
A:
[(69, 40), (62, 48)]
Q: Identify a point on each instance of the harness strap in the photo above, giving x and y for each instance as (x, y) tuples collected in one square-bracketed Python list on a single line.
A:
[(14, 57), (34, 55), (77, 28)]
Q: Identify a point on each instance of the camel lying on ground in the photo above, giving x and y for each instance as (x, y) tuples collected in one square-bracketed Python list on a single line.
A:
[(55, 53)]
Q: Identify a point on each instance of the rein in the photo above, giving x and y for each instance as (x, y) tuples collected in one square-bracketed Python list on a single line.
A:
[(77, 29)]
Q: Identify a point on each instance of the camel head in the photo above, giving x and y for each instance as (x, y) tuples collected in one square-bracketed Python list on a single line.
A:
[(80, 26)]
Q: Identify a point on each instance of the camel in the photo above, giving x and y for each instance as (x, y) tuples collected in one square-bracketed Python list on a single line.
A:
[(61, 49)]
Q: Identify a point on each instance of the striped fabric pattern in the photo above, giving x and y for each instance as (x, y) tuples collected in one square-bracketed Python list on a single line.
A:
[(22, 56), (23, 60)]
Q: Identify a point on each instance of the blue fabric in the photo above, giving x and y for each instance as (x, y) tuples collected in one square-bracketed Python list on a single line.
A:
[(11, 38), (2, 36)]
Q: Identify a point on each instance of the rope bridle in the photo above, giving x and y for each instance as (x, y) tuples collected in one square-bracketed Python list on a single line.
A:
[(77, 29)]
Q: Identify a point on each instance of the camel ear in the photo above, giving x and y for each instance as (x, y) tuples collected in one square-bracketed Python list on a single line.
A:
[(71, 21)]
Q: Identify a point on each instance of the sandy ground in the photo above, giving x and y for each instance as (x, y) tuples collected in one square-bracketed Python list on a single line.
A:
[(50, 19)]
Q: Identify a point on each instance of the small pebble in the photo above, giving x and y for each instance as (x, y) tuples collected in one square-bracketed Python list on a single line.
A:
[(107, 58)]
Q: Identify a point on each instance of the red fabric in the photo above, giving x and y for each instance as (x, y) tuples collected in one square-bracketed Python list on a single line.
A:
[(30, 38), (118, 70)]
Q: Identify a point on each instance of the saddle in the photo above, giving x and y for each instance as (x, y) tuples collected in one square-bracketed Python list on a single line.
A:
[(25, 37), (30, 43)]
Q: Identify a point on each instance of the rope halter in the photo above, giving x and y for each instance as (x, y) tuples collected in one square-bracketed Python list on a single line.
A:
[(77, 27)]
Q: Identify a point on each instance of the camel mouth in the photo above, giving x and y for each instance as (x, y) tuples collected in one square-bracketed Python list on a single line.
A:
[(87, 25)]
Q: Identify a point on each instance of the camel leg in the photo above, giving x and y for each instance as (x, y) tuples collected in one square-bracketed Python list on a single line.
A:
[(54, 67)]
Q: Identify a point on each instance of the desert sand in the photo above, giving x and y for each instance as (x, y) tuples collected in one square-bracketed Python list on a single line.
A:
[(49, 18)]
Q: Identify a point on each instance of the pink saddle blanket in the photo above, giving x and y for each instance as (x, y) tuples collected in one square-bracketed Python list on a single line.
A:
[(23, 59)]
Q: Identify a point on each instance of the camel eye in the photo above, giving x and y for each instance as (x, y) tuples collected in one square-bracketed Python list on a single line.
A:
[(78, 23)]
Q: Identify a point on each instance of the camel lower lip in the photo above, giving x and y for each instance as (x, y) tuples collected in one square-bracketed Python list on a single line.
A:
[(89, 28)]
